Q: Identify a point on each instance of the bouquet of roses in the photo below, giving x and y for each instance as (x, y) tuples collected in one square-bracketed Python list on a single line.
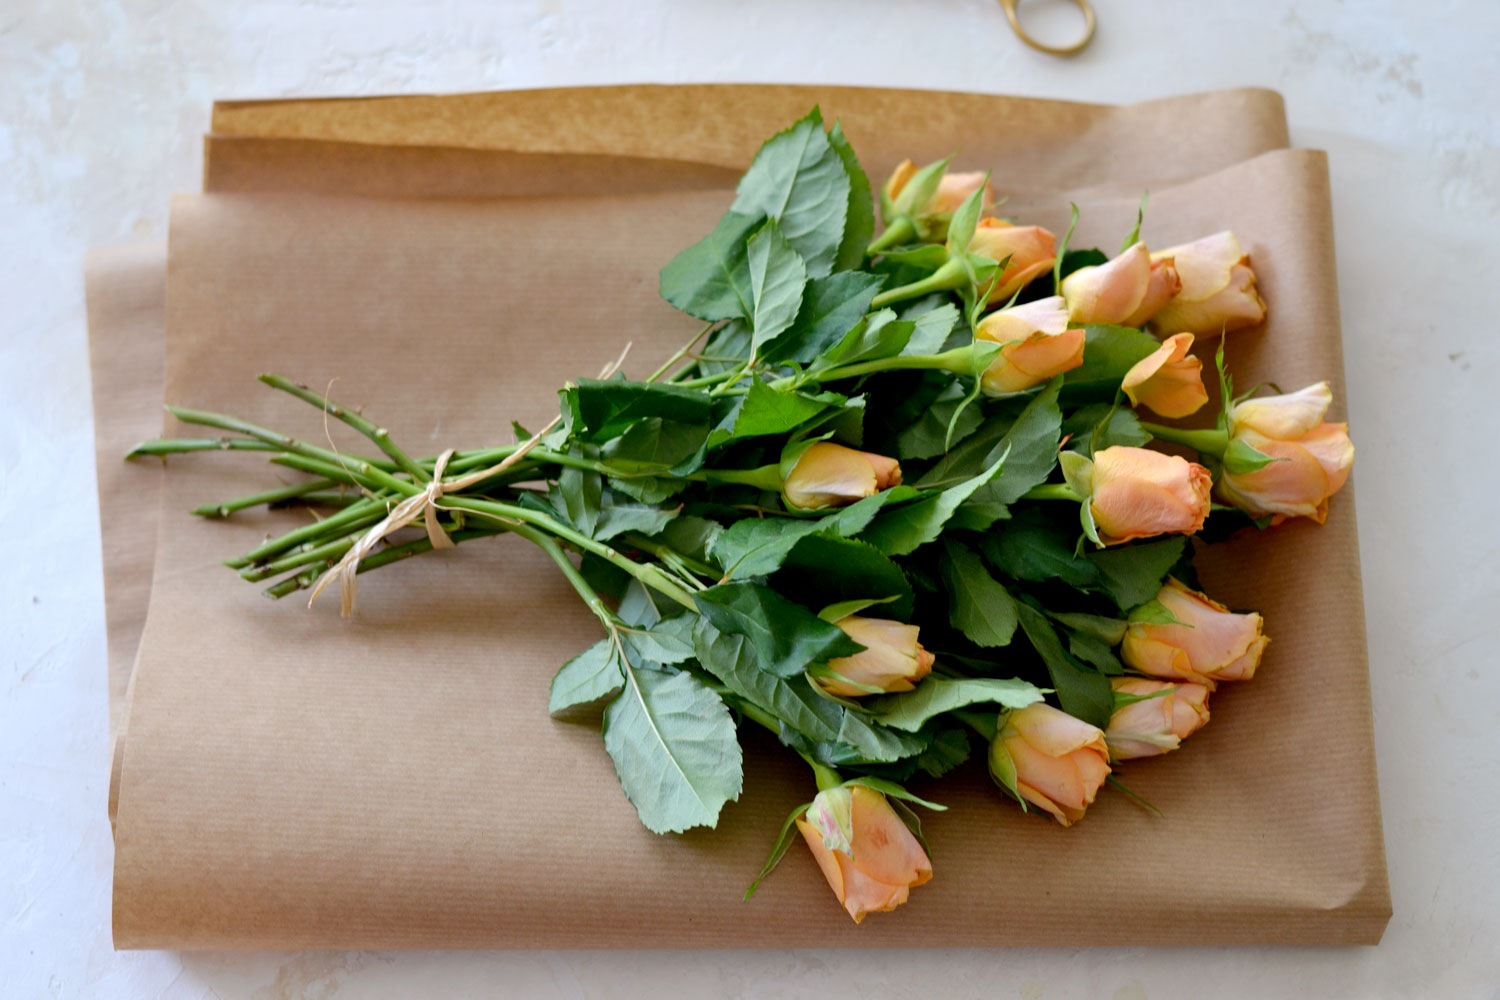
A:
[(893, 499)]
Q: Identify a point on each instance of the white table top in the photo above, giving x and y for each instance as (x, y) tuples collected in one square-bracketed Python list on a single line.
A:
[(101, 110)]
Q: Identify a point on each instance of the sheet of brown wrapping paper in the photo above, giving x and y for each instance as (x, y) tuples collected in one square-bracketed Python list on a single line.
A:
[(1031, 144), (615, 140), (292, 780)]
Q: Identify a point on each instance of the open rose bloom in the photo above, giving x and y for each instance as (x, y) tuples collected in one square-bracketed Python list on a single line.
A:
[(1212, 644), (892, 660), (1029, 250), (1126, 291), (1169, 380), (831, 475), (867, 854), (1218, 291), (1138, 493), (1057, 762), (1169, 714), (1038, 345), (1311, 459)]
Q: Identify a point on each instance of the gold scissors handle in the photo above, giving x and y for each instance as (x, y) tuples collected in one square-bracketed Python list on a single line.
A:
[(1052, 50)]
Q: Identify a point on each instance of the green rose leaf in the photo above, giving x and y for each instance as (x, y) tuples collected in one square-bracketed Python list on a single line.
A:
[(831, 307), (675, 749), (711, 278), (978, 605), (787, 636), (591, 676), (859, 224), (1108, 353), (1083, 693), (910, 710), (777, 277), (1030, 447), (800, 180), (905, 529), (1132, 574), (733, 660)]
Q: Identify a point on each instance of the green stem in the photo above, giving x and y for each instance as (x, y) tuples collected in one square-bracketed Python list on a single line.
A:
[(681, 352), (162, 447), (1052, 491), (204, 418), (1207, 442), (946, 278), (767, 477), (379, 435), (355, 515), (960, 361), (328, 470), (901, 230), (734, 374), (581, 586), (292, 492), (666, 553), (652, 576)]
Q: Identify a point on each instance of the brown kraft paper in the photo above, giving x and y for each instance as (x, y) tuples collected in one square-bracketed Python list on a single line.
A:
[(293, 780)]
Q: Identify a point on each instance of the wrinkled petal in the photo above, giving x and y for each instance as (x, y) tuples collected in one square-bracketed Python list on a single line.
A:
[(1169, 380), (1218, 290), (1212, 643), (1127, 290), (1046, 315)]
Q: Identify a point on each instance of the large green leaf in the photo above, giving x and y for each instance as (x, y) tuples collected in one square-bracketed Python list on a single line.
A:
[(859, 223), (1034, 546), (777, 277), (1108, 353), (910, 710), (788, 637), (1030, 447), (1083, 693), (831, 306), (605, 408), (932, 330), (764, 410), (1132, 574), (904, 529), (755, 546), (881, 335), (821, 570), (978, 605), (652, 445), (675, 749), (733, 660), (871, 742), (591, 676), (711, 278), (618, 515), (799, 180), (928, 435)]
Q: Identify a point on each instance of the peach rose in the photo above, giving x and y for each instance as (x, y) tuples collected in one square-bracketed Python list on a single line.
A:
[(892, 660), (1137, 493), (1030, 250), (1218, 290), (1126, 291), (1038, 345), (1056, 762), (1159, 723), (830, 475), (1169, 380), (1212, 644), (1311, 459), (870, 858), (951, 190)]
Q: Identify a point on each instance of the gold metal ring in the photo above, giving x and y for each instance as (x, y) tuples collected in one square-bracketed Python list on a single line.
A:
[(1052, 50)]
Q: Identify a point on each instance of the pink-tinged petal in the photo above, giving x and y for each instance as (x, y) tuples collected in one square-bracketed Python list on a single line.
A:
[(885, 849), (1160, 289), (1204, 265), (1169, 380), (1294, 483), (1019, 322), (1109, 292), (1330, 445)]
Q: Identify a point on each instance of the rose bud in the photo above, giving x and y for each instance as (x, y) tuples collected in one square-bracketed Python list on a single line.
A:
[(1038, 345), (1212, 644), (1169, 380), (830, 475), (1137, 493), (1310, 459), (951, 190), (1169, 714), (1030, 250), (1057, 762), (868, 855), (1126, 291), (1218, 288), (892, 660)]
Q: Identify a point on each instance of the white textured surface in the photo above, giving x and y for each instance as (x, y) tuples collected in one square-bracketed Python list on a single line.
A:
[(101, 108)]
